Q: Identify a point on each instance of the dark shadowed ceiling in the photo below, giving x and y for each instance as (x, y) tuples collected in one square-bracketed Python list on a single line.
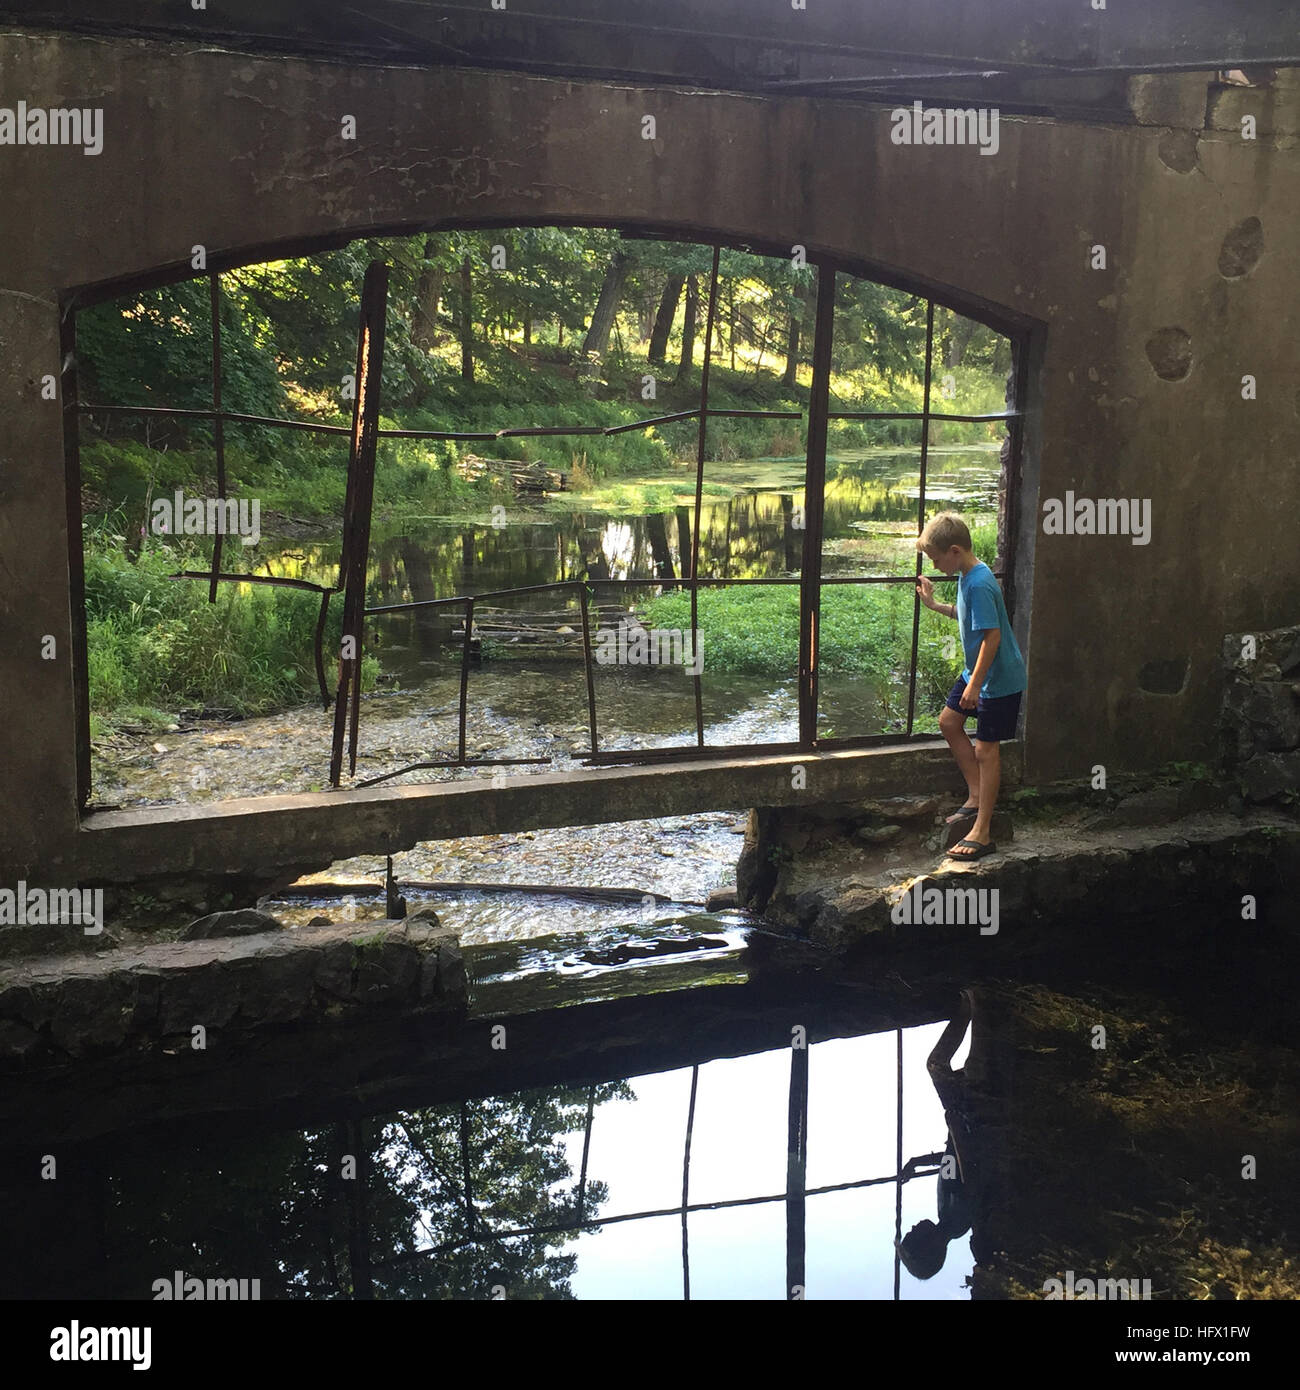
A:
[(1053, 55)]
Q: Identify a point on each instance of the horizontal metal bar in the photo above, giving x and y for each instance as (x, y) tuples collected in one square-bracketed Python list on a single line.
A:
[(760, 414), (549, 429), (509, 1233), (476, 598), (227, 416), (654, 420), (836, 745), (703, 583), (920, 415), (255, 579), (466, 435)]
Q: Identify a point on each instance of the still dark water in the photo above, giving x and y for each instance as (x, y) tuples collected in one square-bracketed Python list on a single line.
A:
[(243, 1201)]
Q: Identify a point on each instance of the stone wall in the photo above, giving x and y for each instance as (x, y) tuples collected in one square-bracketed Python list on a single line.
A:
[(1261, 713)]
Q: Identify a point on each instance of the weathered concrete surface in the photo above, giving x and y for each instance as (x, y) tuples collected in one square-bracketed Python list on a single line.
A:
[(281, 837), (152, 996), (238, 153), (1052, 885)]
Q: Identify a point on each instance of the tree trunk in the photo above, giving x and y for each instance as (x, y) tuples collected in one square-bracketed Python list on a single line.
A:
[(963, 330), (688, 328), (528, 327), (602, 318), (793, 334), (664, 319), (428, 296), (684, 541), (466, 320), (658, 533)]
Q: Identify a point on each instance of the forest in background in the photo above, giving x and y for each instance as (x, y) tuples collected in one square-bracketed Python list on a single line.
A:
[(486, 329)]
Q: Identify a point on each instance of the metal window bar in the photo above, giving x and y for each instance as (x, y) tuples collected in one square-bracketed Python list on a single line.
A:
[(686, 1185), (357, 509), (920, 507), (701, 434)]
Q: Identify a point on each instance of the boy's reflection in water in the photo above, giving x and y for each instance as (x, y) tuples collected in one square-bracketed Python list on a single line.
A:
[(924, 1248)]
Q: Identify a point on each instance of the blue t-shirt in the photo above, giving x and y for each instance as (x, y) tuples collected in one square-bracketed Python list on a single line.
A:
[(980, 607)]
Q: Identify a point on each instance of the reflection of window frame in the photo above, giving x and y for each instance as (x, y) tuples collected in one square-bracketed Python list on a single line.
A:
[(810, 580)]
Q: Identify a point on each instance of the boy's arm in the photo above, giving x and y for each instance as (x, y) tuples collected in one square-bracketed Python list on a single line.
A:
[(979, 672)]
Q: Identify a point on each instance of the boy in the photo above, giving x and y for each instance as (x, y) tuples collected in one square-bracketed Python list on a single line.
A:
[(991, 683)]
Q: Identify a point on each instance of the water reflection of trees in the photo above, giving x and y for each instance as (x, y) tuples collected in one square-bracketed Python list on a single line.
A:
[(426, 1215)]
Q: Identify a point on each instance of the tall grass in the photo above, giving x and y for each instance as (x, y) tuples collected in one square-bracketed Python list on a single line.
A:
[(157, 642)]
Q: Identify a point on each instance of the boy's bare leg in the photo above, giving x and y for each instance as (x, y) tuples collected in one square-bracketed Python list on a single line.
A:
[(988, 758), (953, 727)]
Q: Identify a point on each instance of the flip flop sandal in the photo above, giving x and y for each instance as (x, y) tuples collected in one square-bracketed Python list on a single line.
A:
[(980, 851), (962, 813)]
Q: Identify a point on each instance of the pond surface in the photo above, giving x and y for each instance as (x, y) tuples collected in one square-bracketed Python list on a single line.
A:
[(592, 1176)]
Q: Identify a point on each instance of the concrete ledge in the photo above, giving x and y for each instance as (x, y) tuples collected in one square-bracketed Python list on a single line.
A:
[(1054, 888), (266, 837), (141, 997)]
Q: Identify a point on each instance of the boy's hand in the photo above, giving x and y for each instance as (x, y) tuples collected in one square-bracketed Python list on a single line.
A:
[(970, 697), (925, 590)]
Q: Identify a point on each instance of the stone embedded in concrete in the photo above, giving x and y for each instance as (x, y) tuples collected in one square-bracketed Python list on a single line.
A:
[(244, 922), (1260, 714), (1267, 776), (878, 834), (1165, 676), (17, 942), (902, 808), (1169, 350), (1177, 150), (1242, 248)]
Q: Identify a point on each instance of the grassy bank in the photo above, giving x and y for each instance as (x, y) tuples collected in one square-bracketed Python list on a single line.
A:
[(301, 474), (156, 644)]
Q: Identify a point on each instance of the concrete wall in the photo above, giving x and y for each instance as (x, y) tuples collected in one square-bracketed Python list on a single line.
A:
[(232, 152)]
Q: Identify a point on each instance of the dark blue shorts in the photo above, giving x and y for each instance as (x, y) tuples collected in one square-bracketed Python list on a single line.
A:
[(995, 719)]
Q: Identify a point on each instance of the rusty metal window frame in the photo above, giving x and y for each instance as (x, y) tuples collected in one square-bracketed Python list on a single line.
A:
[(365, 433)]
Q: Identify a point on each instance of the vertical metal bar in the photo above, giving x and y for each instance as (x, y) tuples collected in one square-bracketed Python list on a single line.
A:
[(898, 1168), (356, 511), (320, 649), (920, 507), (591, 675), (586, 1150), (76, 547), (218, 424), (686, 1185), (701, 434), (815, 505), (464, 677), (796, 1176)]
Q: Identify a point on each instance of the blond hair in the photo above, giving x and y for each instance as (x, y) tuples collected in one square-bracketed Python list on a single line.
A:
[(944, 531)]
